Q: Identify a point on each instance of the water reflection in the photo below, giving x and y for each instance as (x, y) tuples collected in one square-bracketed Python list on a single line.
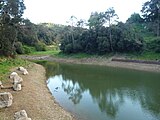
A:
[(118, 93), (73, 91)]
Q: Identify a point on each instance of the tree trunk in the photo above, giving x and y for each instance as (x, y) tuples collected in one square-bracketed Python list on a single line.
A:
[(158, 23), (110, 37)]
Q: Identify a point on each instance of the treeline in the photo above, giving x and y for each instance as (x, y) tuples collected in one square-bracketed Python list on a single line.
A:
[(106, 35), (101, 34), (101, 40)]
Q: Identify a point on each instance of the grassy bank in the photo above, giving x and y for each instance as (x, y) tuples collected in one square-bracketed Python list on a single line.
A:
[(7, 63)]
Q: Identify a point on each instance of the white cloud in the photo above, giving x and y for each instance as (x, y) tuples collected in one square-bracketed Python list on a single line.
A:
[(59, 11)]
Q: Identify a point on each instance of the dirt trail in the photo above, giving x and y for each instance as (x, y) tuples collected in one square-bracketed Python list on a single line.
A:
[(35, 98)]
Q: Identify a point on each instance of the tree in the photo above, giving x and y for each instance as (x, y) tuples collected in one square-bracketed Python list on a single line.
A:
[(11, 12), (136, 22), (135, 18), (27, 33), (110, 17), (81, 23), (96, 20), (151, 14), (73, 22)]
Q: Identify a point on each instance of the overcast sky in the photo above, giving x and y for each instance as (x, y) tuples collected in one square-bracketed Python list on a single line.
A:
[(59, 11)]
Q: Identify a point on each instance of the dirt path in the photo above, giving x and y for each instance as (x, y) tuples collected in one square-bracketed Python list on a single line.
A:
[(34, 98), (99, 61)]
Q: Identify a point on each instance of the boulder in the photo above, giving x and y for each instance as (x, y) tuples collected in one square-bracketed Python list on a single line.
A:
[(17, 87), (17, 79), (21, 115), (12, 75), (23, 70), (5, 99)]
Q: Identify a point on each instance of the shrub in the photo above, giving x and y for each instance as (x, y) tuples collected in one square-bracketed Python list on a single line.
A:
[(27, 49), (19, 48), (40, 46), (154, 45)]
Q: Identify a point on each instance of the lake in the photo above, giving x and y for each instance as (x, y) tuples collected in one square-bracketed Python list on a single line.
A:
[(105, 93)]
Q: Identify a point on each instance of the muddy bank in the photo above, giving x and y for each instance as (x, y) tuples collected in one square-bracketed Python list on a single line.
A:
[(35, 98), (99, 61)]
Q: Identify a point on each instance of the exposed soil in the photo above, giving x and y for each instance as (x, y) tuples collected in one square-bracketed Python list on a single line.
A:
[(35, 98), (99, 61)]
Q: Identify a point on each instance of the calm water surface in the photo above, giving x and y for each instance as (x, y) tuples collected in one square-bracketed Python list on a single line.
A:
[(105, 93)]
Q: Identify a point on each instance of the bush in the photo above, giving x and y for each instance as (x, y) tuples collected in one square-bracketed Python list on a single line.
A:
[(27, 49), (154, 45), (68, 48), (19, 48), (40, 46)]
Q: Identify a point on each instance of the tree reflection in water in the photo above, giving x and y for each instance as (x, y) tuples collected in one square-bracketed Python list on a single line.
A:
[(73, 90), (109, 87)]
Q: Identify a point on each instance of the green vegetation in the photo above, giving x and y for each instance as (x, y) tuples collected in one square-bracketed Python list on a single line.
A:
[(7, 63), (11, 12), (148, 56), (102, 35), (49, 52)]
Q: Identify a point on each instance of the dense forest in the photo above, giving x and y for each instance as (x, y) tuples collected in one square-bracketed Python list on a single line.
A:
[(102, 33)]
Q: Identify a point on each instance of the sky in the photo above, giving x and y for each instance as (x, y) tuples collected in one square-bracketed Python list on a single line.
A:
[(59, 11)]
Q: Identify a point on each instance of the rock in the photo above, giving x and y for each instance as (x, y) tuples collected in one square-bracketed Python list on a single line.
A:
[(1, 86), (17, 79), (21, 115), (23, 70), (12, 75), (17, 87), (5, 99)]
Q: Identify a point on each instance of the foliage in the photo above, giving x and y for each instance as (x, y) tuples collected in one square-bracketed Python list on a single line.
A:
[(154, 45), (11, 12), (97, 40), (50, 33), (40, 46), (151, 14), (135, 18), (27, 49), (19, 48), (95, 21), (103, 34), (27, 33)]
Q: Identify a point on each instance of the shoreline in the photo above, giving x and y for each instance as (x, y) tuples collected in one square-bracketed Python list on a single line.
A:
[(98, 61), (35, 98)]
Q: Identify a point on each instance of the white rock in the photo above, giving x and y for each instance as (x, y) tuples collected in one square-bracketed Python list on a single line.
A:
[(5, 99), (21, 115), (17, 87), (17, 79), (23, 70), (12, 75), (1, 86)]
